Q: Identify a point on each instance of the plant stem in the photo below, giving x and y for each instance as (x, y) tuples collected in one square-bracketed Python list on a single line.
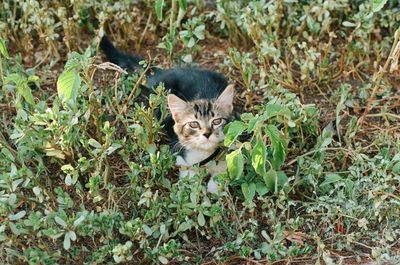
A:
[(378, 77), (172, 18)]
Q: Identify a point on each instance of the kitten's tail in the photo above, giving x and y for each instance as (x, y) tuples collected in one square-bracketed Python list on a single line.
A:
[(126, 61)]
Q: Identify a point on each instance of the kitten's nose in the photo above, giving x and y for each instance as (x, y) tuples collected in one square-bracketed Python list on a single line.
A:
[(207, 134)]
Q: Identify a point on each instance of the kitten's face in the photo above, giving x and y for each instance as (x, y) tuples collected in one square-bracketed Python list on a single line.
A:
[(199, 124)]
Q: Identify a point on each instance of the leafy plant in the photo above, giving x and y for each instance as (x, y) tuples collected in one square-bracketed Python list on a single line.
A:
[(312, 161)]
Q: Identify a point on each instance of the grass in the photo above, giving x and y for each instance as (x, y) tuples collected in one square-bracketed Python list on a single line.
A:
[(313, 162)]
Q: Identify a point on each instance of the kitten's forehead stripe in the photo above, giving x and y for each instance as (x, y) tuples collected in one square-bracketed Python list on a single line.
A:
[(204, 109)]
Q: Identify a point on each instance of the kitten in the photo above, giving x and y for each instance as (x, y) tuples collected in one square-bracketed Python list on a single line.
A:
[(201, 104)]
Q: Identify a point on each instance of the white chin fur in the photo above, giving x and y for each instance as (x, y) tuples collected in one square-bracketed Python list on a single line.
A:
[(206, 146)]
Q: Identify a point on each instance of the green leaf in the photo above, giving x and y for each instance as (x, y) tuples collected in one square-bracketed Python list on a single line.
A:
[(396, 168), (79, 220), (279, 148), (326, 138), (67, 241), (185, 226), (249, 191), (258, 157), (68, 180), (191, 42), (12, 199), (312, 25), (147, 230), (270, 179), (234, 130), (261, 188), (265, 247), (274, 109), (15, 184), (159, 9), (67, 168), (200, 219), (56, 153), (17, 216), (193, 197), (282, 178), (349, 187), (183, 4), (378, 5), (72, 235), (162, 229), (33, 78), (265, 235), (199, 32), (94, 143), (330, 179), (14, 229), (235, 162), (254, 122), (163, 259), (349, 24), (113, 147), (60, 221), (25, 91), (36, 190), (67, 86), (13, 78), (3, 49), (7, 154), (274, 180)]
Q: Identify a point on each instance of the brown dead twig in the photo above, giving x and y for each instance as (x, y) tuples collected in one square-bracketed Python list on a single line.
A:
[(392, 60)]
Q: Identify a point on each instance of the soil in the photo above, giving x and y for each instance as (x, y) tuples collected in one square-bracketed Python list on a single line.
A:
[(212, 55)]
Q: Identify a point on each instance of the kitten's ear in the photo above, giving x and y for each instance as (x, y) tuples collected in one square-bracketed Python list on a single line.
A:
[(225, 100), (176, 106)]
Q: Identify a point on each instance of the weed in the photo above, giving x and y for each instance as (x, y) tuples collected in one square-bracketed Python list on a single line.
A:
[(313, 160)]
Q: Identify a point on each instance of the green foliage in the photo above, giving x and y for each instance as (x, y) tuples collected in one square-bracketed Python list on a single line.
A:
[(67, 86), (313, 164), (159, 9), (235, 164), (265, 148)]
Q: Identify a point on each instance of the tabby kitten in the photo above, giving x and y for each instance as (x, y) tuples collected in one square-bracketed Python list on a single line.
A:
[(200, 102)]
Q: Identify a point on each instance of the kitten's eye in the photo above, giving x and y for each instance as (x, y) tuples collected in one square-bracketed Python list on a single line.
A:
[(217, 121), (194, 125)]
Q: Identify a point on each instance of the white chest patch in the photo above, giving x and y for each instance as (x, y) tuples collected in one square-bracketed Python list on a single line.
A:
[(191, 157), (194, 156)]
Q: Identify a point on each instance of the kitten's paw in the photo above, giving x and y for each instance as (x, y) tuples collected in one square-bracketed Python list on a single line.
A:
[(186, 173), (180, 161), (216, 167), (212, 186)]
